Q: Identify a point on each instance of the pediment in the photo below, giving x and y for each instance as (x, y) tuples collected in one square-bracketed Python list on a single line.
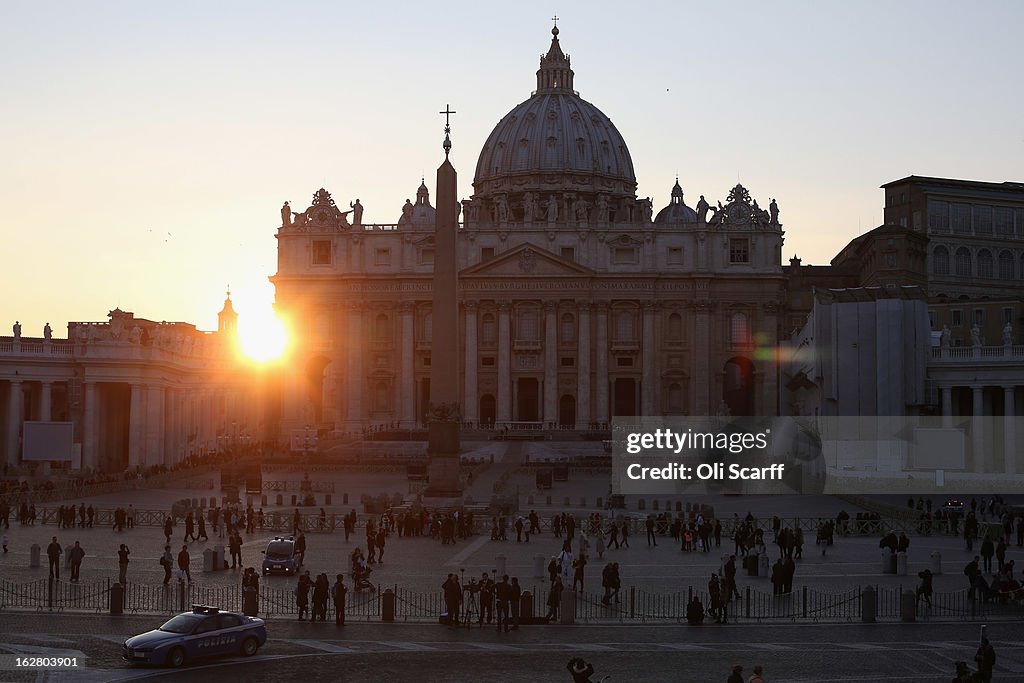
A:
[(527, 260)]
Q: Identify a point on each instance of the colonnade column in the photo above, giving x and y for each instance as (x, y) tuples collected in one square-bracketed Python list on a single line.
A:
[(136, 426), (649, 390), (1010, 431), (470, 400), (504, 409), (15, 401), (583, 367), (154, 449), (45, 401), (601, 407), (407, 390), (977, 432), (702, 401), (947, 406), (550, 363), (90, 426)]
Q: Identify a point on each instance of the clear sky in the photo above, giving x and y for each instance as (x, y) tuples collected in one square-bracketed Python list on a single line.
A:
[(146, 148)]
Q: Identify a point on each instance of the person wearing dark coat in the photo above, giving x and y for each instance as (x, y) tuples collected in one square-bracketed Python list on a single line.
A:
[(338, 594), (302, 594), (321, 590)]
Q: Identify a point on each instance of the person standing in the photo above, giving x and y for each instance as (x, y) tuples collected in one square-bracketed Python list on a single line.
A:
[(167, 561), (302, 594), (503, 596), (651, 540), (202, 528), (321, 589), (987, 551), (625, 533), (53, 553), (382, 538), (131, 516), (122, 564), (300, 548), (168, 529), (515, 598), (758, 676), (986, 660), (338, 595), (554, 599), (184, 560), (235, 545), (190, 527), (452, 597), (75, 557)]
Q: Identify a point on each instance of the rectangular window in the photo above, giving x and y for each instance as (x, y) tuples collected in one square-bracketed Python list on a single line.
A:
[(938, 216), (1003, 218), (675, 256), (739, 250), (917, 221), (568, 253), (962, 218), (983, 220), (624, 255), (956, 318), (979, 316), (426, 257), (426, 361), (321, 252), (1007, 315), (568, 362), (624, 362), (382, 257), (486, 253), (487, 361)]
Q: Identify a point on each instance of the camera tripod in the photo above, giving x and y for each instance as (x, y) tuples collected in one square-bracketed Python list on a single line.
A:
[(471, 608)]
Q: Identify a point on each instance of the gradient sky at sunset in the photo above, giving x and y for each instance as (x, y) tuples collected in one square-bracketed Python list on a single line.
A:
[(147, 147)]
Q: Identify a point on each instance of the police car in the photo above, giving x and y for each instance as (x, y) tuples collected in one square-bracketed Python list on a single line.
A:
[(280, 556), (203, 632)]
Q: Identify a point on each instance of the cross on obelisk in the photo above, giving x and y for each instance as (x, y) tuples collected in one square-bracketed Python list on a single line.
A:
[(447, 128), (555, 19)]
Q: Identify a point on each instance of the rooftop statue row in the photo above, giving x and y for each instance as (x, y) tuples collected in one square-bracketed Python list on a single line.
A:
[(123, 328), (322, 213)]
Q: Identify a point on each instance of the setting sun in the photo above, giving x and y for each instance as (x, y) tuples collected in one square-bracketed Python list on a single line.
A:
[(262, 336)]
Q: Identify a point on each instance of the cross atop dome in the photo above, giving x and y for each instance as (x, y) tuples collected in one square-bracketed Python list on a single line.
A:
[(555, 73)]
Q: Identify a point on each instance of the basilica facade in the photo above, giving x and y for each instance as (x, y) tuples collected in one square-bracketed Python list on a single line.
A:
[(577, 301)]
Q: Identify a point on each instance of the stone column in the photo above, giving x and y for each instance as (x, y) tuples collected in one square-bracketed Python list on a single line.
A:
[(977, 429), (45, 401), (947, 406), (601, 359), (355, 366), (583, 367), (170, 432), (702, 400), (407, 383), (15, 403), (90, 426), (550, 363), (1010, 431), (136, 426), (504, 407), (470, 400), (154, 453), (649, 394)]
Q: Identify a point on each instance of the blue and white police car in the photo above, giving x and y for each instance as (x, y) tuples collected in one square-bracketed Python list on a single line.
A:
[(280, 556), (203, 632)]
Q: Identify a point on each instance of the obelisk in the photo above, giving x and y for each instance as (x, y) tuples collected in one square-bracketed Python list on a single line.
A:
[(443, 415)]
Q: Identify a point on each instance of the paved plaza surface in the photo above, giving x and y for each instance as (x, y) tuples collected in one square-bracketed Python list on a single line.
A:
[(397, 653)]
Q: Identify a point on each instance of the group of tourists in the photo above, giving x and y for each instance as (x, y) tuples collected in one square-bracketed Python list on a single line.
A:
[(485, 601)]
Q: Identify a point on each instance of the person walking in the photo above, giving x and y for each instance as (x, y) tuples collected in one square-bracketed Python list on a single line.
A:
[(75, 557), (986, 660), (503, 598), (554, 599), (167, 561), (300, 548), (235, 545), (168, 529), (988, 549), (53, 553), (925, 589), (202, 529), (190, 527), (122, 564), (651, 540), (382, 538), (338, 595), (184, 560)]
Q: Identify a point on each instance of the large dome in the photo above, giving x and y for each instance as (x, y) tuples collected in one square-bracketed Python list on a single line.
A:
[(555, 142)]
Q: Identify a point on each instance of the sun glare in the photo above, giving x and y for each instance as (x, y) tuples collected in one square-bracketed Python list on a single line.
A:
[(262, 336)]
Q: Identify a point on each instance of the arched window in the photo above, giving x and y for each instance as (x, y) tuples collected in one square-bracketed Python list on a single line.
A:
[(488, 330), (940, 261), (382, 329), (428, 327), (675, 398), (568, 331), (739, 330), (1005, 265), (381, 396), (985, 263), (963, 262), (675, 327), (624, 326), (528, 325)]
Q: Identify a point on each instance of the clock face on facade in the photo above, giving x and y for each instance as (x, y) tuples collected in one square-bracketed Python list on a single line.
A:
[(738, 213)]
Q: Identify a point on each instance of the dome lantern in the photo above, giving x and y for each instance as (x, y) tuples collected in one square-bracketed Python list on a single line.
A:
[(555, 73)]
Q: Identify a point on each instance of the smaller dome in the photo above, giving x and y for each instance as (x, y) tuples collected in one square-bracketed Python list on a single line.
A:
[(421, 214), (677, 211)]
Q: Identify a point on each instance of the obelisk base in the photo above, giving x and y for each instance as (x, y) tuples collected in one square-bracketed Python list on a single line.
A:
[(443, 471)]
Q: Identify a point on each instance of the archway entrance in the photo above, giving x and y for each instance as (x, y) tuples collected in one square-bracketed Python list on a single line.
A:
[(487, 410), (738, 388), (624, 402), (526, 399), (567, 411)]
